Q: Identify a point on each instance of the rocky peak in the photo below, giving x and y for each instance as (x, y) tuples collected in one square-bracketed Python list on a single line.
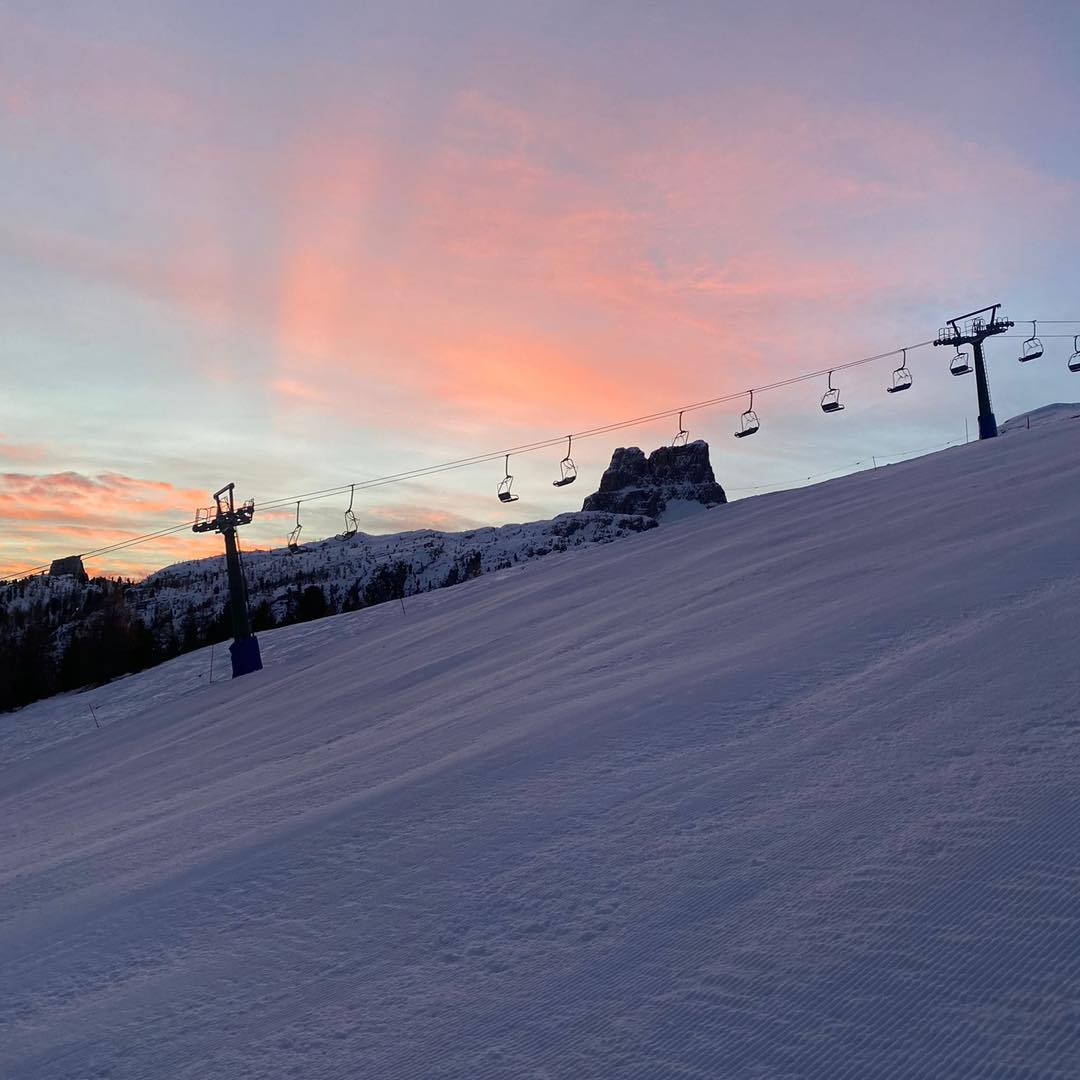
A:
[(634, 484), (71, 566)]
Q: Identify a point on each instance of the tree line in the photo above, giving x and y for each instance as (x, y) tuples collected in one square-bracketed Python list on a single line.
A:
[(66, 635)]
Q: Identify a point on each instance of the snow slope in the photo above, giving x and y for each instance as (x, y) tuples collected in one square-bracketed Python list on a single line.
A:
[(787, 789), (1047, 414)]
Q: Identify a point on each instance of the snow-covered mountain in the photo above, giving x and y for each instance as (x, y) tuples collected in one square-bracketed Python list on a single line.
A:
[(1047, 414), (786, 789), (365, 570), (78, 631)]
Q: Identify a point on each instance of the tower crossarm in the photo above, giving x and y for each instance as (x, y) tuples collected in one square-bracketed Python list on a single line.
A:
[(973, 327)]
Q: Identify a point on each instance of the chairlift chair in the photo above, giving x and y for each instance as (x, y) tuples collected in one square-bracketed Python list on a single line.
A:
[(959, 364), (748, 422), (682, 435), (567, 468), (1032, 349), (901, 377), (294, 536), (1074, 360), (351, 527), (505, 495), (830, 400)]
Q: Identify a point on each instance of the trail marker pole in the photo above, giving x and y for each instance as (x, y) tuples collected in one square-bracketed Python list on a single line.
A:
[(94, 715), (225, 517), (973, 329)]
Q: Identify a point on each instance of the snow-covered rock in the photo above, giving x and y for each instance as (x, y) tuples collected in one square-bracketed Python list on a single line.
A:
[(634, 484)]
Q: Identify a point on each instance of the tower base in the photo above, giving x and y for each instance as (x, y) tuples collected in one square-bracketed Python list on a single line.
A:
[(246, 656)]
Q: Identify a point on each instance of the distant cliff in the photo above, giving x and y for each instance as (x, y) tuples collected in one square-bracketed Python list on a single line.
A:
[(634, 484)]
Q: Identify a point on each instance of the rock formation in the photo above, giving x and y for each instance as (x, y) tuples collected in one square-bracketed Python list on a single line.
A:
[(71, 566), (634, 484)]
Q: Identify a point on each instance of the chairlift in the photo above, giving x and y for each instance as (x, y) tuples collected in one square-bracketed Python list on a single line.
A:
[(351, 528), (748, 422), (901, 377), (504, 492), (959, 364), (682, 435), (1033, 347), (830, 400), (1074, 360), (294, 536), (567, 468)]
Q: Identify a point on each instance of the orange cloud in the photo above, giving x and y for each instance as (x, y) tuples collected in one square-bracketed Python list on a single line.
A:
[(89, 511), (21, 453), (552, 269)]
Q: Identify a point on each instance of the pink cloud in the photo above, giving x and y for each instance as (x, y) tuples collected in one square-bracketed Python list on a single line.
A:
[(551, 259), (20, 453), (88, 511)]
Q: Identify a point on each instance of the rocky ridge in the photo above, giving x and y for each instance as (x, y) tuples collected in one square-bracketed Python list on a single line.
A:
[(636, 484)]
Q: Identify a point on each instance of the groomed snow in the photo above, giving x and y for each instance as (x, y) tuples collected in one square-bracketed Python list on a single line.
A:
[(786, 789)]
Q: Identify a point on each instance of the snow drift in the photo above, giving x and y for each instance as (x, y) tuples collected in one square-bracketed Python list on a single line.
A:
[(786, 789)]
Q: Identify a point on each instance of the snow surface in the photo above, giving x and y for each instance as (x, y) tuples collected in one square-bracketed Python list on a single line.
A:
[(787, 789), (1047, 414)]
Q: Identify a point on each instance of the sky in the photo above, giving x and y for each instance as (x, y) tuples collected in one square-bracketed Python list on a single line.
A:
[(302, 246)]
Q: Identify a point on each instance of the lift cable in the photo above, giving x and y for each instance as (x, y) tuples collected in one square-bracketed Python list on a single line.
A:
[(588, 433), (526, 448)]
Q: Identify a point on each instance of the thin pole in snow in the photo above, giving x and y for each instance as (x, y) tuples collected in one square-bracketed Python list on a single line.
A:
[(94, 715), (402, 599), (874, 460), (212, 647), (967, 437)]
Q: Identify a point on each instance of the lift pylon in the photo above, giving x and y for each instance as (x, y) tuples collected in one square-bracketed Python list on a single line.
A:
[(225, 517), (973, 329)]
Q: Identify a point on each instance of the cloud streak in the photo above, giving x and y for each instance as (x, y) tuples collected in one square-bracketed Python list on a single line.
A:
[(48, 513)]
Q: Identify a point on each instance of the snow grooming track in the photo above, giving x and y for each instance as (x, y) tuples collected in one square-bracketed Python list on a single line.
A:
[(784, 790)]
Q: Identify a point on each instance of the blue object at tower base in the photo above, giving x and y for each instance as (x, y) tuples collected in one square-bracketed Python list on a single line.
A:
[(246, 657)]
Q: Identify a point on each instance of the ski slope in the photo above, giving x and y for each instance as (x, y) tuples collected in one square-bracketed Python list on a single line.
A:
[(787, 789)]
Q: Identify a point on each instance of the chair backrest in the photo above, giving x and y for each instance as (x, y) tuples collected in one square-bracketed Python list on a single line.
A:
[(748, 424)]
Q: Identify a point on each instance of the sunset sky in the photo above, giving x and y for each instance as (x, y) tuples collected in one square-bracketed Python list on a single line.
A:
[(298, 245)]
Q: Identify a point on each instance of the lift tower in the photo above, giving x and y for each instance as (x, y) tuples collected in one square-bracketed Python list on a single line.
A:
[(973, 332), (224, 517)]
